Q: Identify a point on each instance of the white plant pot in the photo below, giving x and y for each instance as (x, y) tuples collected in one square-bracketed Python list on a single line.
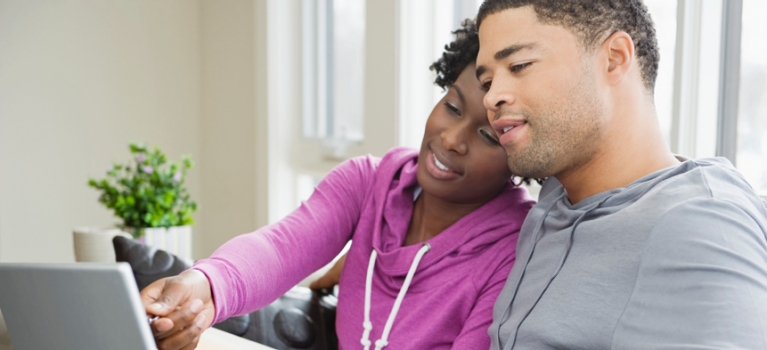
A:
[(94, 244), (176, 240)]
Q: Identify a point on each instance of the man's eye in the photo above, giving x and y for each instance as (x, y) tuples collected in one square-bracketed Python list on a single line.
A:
[(486, 85), (452, 108), (519, 67)]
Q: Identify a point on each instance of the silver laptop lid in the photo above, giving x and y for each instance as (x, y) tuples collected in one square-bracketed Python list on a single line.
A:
[(79, 306)]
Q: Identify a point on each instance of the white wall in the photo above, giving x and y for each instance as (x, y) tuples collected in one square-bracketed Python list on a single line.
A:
[(78, 81), (234, 132), (81, 79)]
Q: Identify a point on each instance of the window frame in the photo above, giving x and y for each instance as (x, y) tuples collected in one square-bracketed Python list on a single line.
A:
[(290, 156), (729, 80)]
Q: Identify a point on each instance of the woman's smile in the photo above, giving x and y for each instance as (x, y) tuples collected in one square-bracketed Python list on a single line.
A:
[(441, 169)]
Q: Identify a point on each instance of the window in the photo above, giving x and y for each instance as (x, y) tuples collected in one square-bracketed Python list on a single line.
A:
[(696, 83), (752, 106), (331, 73), (333, 42), (664, 14)]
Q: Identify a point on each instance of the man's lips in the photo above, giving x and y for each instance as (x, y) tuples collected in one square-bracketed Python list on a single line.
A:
[(507, 129)]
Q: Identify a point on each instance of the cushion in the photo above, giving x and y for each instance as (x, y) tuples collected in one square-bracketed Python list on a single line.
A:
[(300, 319)]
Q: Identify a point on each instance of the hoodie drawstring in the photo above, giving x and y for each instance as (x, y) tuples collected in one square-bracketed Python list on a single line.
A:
[(562, 260), (538, 226), (366, 324)]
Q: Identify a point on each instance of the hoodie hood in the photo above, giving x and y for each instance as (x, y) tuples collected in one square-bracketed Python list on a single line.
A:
[(468, 236), (398, 270)]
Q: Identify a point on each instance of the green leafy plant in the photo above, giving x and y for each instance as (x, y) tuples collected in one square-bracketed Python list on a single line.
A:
[(148, 191)]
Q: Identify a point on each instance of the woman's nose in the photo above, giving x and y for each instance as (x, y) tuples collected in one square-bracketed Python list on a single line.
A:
[(454, 139)]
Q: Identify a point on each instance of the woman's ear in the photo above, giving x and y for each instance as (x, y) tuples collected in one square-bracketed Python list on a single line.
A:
[(620, 56)]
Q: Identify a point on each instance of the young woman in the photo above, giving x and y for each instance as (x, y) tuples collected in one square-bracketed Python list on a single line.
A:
[(433, 237)]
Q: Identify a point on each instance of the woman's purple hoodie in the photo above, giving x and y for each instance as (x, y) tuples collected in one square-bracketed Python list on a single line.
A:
[(368, 200)]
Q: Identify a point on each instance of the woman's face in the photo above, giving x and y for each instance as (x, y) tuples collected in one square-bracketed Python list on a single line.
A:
[(461, 160)]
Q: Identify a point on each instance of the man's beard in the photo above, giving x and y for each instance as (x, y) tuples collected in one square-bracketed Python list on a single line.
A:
[(564, 136)]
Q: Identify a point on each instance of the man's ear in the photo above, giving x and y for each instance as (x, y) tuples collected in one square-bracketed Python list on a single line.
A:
[(620, 56)]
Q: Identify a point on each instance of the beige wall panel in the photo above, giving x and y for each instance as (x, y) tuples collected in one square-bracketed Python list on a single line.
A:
[(234, 119), (78, 81)]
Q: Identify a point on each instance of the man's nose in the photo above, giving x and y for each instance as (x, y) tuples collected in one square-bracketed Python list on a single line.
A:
[(497, 96)]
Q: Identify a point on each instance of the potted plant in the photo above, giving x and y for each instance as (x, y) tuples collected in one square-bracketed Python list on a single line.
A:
[(149, 196)]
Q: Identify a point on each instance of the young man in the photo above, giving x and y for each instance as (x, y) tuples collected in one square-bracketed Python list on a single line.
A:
[(629, 246)]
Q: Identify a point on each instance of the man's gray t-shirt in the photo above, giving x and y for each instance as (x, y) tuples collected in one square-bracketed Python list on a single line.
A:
[(677, 259)]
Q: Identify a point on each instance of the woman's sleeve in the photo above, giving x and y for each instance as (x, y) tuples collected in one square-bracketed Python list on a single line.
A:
[(252, 270), (474, 334)]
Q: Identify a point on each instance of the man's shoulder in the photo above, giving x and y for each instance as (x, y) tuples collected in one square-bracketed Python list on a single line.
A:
[(667, 198), (706, 254), (719, 177), (711, 218), (700, 186), (709, 206)]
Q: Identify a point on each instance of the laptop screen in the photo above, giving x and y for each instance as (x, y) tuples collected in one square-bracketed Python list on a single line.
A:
[(73, 306)]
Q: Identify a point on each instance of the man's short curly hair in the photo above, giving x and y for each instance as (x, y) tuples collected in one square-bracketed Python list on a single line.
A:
[(593, 21), (458, 55)]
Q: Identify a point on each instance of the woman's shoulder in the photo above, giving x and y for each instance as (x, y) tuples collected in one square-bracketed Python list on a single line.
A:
[(362, 174), (366, 168), (369, 164), (398, 157)]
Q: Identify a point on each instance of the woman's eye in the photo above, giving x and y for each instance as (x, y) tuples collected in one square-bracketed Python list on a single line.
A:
[(486, 85), (489, 137), (452, 108), (519, 67)]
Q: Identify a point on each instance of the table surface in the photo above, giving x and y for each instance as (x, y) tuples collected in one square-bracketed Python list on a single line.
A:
[(214, 339)]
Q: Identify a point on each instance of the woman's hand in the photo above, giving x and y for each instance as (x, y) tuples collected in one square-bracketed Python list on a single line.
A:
[(184, 304), (330, 278)]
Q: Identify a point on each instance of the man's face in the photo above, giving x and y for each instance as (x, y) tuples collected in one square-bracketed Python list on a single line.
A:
[(542, 96)]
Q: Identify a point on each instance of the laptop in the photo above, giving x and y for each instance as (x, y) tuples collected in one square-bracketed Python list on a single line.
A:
[(79, 306)]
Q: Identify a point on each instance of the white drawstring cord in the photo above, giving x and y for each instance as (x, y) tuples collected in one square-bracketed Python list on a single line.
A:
[(367, 325), (368, 286)]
